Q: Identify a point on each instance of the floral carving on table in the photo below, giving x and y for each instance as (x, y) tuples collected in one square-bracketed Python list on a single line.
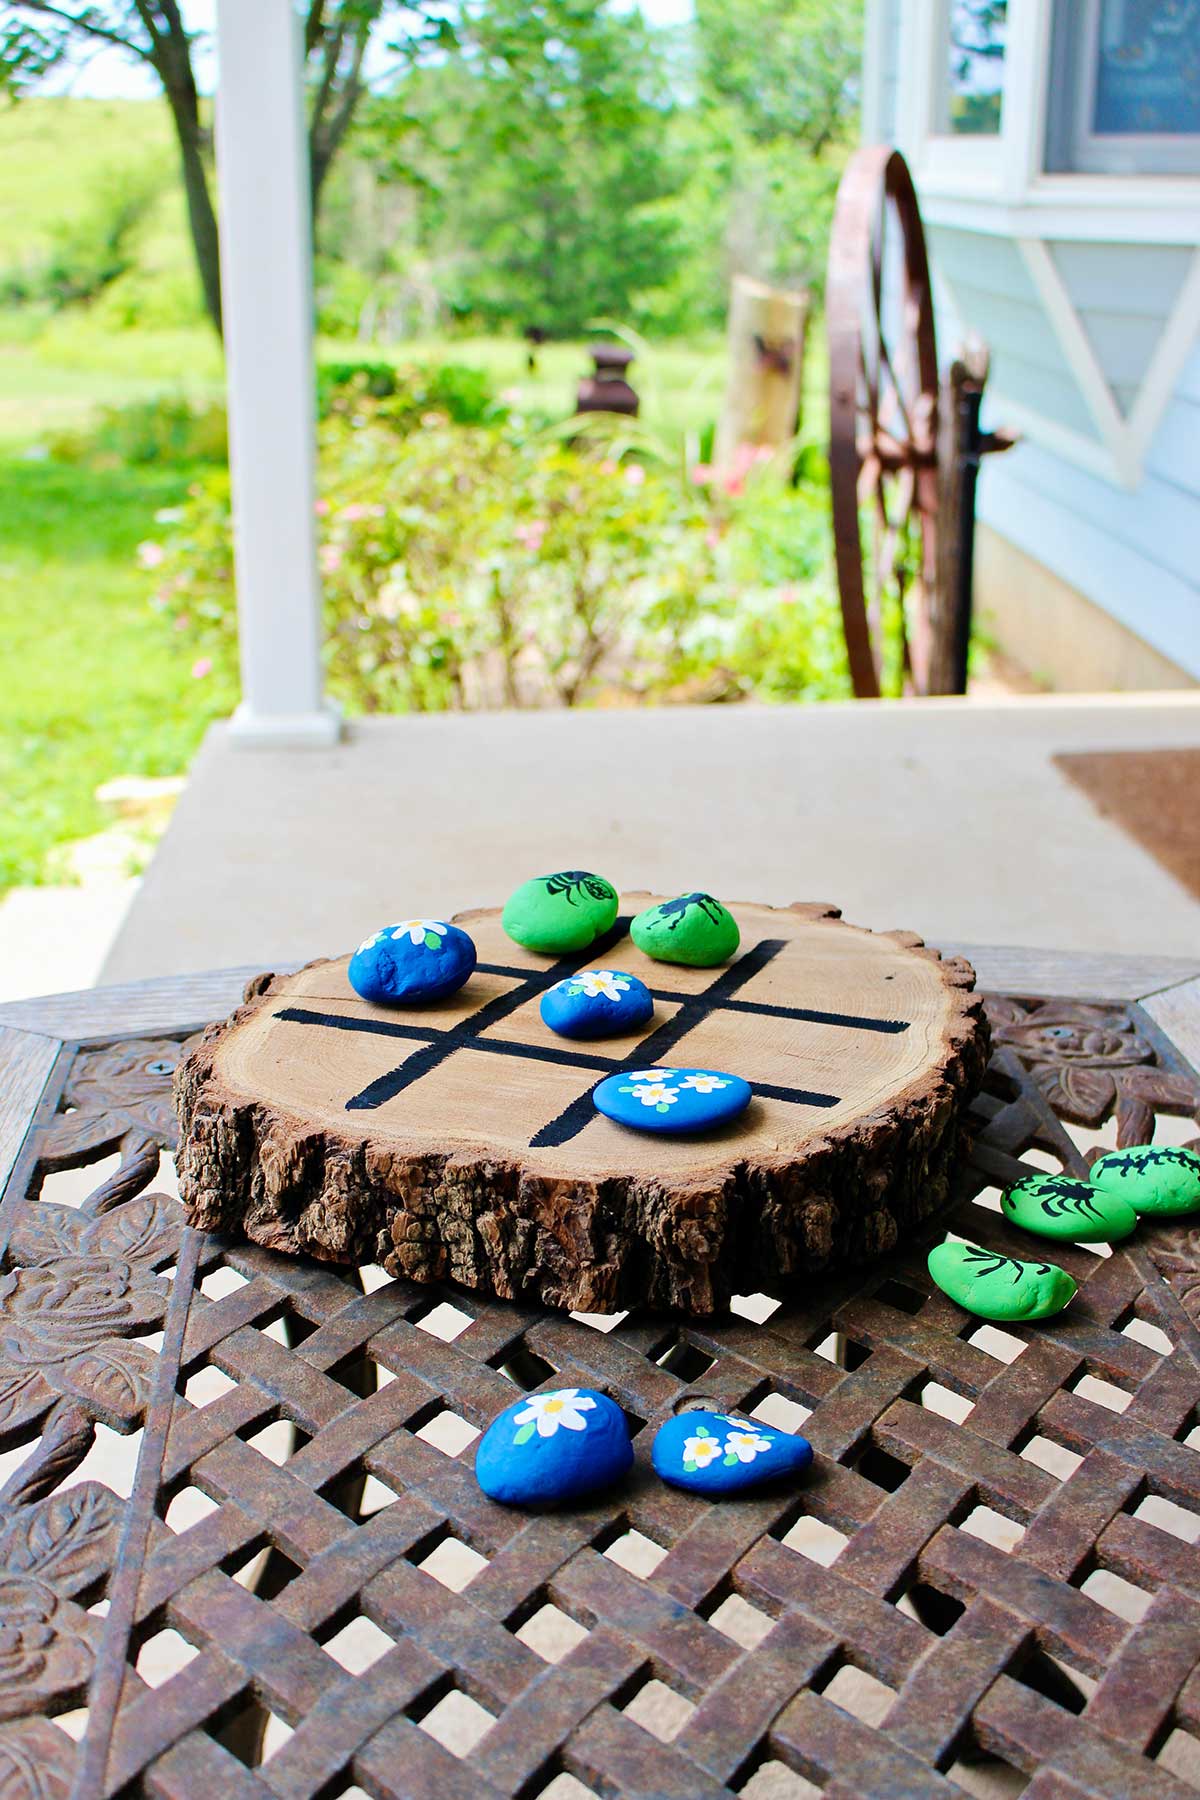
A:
[(119, 1098), (56, 1552), (1090, 1060), (79, 1291)]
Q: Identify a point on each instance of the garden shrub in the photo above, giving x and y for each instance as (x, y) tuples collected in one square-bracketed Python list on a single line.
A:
[(481, 565)]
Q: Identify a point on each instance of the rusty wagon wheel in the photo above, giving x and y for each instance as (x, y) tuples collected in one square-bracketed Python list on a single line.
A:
[(883, 388)]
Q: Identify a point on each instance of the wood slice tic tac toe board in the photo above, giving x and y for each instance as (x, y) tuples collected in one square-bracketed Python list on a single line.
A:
[(459, 1140)]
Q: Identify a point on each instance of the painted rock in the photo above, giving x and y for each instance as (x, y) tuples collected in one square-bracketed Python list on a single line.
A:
[(694, 929), (672, 1099), (717, 1453), (1152, 1178), (597, 1003), (556, 914), (418, 959), (999, 1287), (1058, 1206), (550, 1447)]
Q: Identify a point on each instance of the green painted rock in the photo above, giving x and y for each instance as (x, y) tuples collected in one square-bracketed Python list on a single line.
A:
[(1058, 1206), (999, 1287), (559, 913), (694, 929), (1151, 1178)]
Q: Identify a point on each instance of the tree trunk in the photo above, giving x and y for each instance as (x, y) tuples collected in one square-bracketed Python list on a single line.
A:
[(202, 219)]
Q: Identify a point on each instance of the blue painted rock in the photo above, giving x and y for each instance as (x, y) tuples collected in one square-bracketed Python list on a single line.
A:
[(555, 1446), (672, 1099), (1076, 1212), (1158, 1179), (416, 960), (718, 1453), (597, 1003)]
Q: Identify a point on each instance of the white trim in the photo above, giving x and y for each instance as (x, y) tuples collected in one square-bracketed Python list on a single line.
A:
[(251, 730), (1088, 208), (1084, 452), (874, 70), (1166, 365), (266, 270), (1077, 348)]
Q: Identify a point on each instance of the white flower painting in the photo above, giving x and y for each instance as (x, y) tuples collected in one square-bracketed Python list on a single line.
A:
[(547, 1413)]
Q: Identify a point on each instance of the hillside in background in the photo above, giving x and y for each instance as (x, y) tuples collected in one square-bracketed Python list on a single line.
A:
[(91, 209)]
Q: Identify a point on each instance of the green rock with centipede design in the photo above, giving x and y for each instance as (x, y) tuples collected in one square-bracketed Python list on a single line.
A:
[(555, 914), (1075, 1212), (693, 929), (1158, 1179), (999, 1287)]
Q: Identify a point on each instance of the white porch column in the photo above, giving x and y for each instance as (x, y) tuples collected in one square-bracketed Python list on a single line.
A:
[(266, 274)]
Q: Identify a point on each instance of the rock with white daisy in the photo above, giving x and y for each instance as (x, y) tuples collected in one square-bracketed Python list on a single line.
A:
[(411, 962), (551, 1447), (597, 1003), (719, 1453), (672, 1100)]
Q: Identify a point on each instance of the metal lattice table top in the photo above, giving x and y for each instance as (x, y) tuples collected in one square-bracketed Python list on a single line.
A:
[(987, 1585)]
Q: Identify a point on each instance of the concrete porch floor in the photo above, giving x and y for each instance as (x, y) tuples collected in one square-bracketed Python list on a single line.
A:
[(946, 816)]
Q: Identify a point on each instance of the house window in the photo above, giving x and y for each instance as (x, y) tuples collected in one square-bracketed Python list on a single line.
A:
[(1124, 96), (973, 83)]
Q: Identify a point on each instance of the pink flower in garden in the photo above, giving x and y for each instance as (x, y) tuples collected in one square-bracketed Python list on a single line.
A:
[(358, 509), (712, 537), (329, 557), (150, 554), (511, 396), (531, 536), (321, 508), (608, 466), (788, 596), (635, 475), (201, 667), (701, 474), (182, 621)]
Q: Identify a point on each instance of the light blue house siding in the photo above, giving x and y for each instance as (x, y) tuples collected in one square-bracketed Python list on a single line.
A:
[(1133, 551), (1086, 289)]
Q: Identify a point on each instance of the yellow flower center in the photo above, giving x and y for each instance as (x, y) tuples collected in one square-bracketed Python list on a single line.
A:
[(554, 1405)]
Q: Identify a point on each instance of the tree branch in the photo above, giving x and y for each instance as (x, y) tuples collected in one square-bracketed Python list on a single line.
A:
[(83, 22)]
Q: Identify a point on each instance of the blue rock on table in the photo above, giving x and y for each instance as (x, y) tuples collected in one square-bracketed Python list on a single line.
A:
[(414, 961), (718, 1453), (553, 1446), (672, 1099), (597, 1003)]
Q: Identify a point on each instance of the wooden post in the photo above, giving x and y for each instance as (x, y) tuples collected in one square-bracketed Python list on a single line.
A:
[(266, 274), (766, 368), (960, 447)]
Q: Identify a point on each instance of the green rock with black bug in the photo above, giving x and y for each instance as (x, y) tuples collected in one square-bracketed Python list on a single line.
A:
[(999, 1287), (555, 914), (1159, 1180), (693, 929), (1075, 1212)]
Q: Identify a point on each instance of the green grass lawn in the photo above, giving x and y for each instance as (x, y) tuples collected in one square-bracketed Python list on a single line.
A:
[(93, 685)]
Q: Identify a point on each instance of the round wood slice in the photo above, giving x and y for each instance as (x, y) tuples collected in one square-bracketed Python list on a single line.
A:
[(459, 1140)]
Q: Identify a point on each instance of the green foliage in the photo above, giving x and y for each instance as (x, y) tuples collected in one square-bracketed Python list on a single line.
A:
[(88, 252), (541, 152), (477, 565), (91, 688), (169, 429), (463, 394)]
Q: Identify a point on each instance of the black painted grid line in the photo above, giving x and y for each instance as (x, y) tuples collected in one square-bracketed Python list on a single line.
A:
[(440, 1042), (811, 1016)]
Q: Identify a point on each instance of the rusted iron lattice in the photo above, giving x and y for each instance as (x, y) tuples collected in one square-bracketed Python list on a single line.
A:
[(864, 1636)]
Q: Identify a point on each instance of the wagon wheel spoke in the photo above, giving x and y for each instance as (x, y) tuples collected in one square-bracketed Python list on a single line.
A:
[(883, 420)]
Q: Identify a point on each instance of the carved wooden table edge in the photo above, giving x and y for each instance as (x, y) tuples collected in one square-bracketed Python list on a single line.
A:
[(1067, 1659)]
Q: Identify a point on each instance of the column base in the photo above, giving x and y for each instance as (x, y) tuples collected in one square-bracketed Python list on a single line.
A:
[(318, 730)]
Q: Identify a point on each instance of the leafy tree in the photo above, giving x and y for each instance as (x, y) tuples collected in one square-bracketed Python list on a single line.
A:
[(37, 36), (777, 101), (539, 146)]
